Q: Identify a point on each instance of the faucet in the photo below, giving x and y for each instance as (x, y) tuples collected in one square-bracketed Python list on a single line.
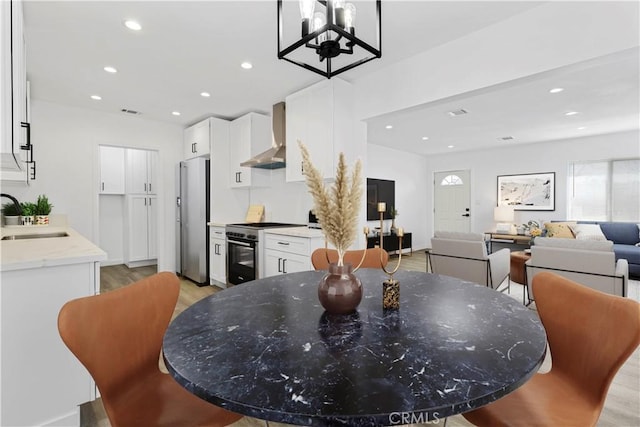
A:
[(14, 200)]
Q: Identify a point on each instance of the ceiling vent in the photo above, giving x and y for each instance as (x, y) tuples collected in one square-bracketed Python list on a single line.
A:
[(506, 138), (134, 112), (458, 112)]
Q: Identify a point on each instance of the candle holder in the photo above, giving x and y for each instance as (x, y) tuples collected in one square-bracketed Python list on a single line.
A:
[(390, 287)]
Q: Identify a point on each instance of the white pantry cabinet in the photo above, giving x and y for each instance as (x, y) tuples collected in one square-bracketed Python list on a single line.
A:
[(112, 170), (141, 171), (141, 230), (217, 255), (248, 135), (13, 85), (322, 118), (289, 254), (197, 139)]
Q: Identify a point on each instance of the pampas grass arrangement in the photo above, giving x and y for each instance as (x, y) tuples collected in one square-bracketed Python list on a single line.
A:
[(337, 207)]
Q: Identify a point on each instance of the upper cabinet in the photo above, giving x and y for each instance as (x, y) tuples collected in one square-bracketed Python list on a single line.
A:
[(197, 139), (13, 85), (111, 170), (322, 118), (248, 136), (141, 168)]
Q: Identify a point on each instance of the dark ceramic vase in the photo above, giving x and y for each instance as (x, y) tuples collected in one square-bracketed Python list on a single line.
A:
[(340, 291)]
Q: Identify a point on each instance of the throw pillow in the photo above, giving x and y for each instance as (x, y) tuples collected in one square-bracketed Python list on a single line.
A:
[(587, 232), (559, 229)]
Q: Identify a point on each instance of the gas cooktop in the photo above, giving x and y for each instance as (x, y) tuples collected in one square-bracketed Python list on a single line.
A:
[(265, 225)]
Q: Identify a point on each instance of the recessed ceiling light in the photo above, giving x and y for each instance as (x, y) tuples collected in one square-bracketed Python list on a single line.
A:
[(176, 113), (388, 127), (96, 97), (205, 94), (556, 90), (571, 113), (450, 146), (132, 25), (582, 127), (424, 138), (246, 65), (110, 69)]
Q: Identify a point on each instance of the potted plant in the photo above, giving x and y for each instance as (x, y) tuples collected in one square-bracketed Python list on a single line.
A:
[(42, 210), (11, 213), (28, 212)]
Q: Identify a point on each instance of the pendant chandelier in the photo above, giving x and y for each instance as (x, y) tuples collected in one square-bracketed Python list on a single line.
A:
[(328, 37)]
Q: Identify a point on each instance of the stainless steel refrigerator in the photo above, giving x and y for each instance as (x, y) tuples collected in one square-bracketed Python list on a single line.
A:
[(192, 215)]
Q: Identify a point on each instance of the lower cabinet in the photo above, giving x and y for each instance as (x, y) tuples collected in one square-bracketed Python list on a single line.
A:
[(217, 256), (289, 254), (141, 246)]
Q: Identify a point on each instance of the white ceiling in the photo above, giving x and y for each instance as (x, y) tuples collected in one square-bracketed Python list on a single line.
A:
[(187, 47)]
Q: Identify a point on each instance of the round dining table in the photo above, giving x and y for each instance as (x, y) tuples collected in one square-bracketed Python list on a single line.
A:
[(267, 349)]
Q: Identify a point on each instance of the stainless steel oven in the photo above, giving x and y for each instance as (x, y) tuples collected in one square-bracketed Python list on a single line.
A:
[(245, 250), (242, 259)]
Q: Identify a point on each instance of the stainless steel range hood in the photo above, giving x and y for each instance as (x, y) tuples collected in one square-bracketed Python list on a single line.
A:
[(274, 157)]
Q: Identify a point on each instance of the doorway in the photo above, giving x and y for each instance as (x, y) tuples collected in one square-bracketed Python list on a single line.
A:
[(452, 201)]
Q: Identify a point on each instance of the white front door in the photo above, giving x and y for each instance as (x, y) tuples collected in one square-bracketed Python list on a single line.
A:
[(451, 201)]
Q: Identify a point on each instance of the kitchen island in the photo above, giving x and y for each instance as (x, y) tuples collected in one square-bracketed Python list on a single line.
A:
[(41, 268)]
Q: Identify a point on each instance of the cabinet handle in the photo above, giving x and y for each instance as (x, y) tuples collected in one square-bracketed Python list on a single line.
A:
[(279, 261), (239, 176), (145, 201), (145, 187), (195, 147), (149, 201), (284, 266), (301, 167), (149, 187), (103, 186), (283, 243)]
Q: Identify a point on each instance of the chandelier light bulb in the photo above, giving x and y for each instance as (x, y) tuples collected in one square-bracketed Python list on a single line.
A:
[(338, 13), (319, 21), (349, 15), (306, 8)]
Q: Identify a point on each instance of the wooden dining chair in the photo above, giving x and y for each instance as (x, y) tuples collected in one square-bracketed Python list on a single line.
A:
[(322, 257), (590, 335), (118, 337)]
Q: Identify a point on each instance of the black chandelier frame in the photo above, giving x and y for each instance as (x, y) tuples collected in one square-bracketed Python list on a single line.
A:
[(331, 47)]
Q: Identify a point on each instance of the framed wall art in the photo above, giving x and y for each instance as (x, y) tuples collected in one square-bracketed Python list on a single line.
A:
[(528, 192)]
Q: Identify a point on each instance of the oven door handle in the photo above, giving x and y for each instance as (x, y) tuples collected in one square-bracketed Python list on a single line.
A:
[(237, 242)]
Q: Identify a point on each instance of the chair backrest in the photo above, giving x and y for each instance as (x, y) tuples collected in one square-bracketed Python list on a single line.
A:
[(117, 335), (461, 255), (320, 258), (590, 333), (591, 263)]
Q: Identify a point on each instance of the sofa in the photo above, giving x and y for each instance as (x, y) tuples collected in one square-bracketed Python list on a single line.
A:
[(624, 235)]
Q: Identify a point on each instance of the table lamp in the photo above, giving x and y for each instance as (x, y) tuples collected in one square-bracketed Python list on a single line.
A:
[(504, 217)]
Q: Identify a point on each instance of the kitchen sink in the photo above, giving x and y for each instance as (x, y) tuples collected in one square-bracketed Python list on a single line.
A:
[(35, 236)]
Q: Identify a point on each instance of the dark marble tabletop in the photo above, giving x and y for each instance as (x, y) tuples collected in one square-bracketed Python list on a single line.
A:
[(267, 349)]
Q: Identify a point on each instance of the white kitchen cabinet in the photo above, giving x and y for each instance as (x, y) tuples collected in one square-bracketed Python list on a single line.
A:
[(248, 135), (141, 247), (13, 85), (141, 166), (197, 139), (112, 161), (289, 254), (35, 365), (322, 118), (217, 256)]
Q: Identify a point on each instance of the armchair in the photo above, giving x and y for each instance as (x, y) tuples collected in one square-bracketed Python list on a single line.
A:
[(591, 263), (464, 255)]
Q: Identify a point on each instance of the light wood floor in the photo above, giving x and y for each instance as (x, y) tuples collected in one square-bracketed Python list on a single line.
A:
[(622, 407)]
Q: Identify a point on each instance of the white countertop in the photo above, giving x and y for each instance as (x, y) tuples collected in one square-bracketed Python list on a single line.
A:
[(216, 224), (296, 232), (44, 252)]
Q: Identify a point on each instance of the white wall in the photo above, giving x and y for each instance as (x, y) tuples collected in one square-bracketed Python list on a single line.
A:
[(66, 143), (554, 156), (534, 41), (410, 174)]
